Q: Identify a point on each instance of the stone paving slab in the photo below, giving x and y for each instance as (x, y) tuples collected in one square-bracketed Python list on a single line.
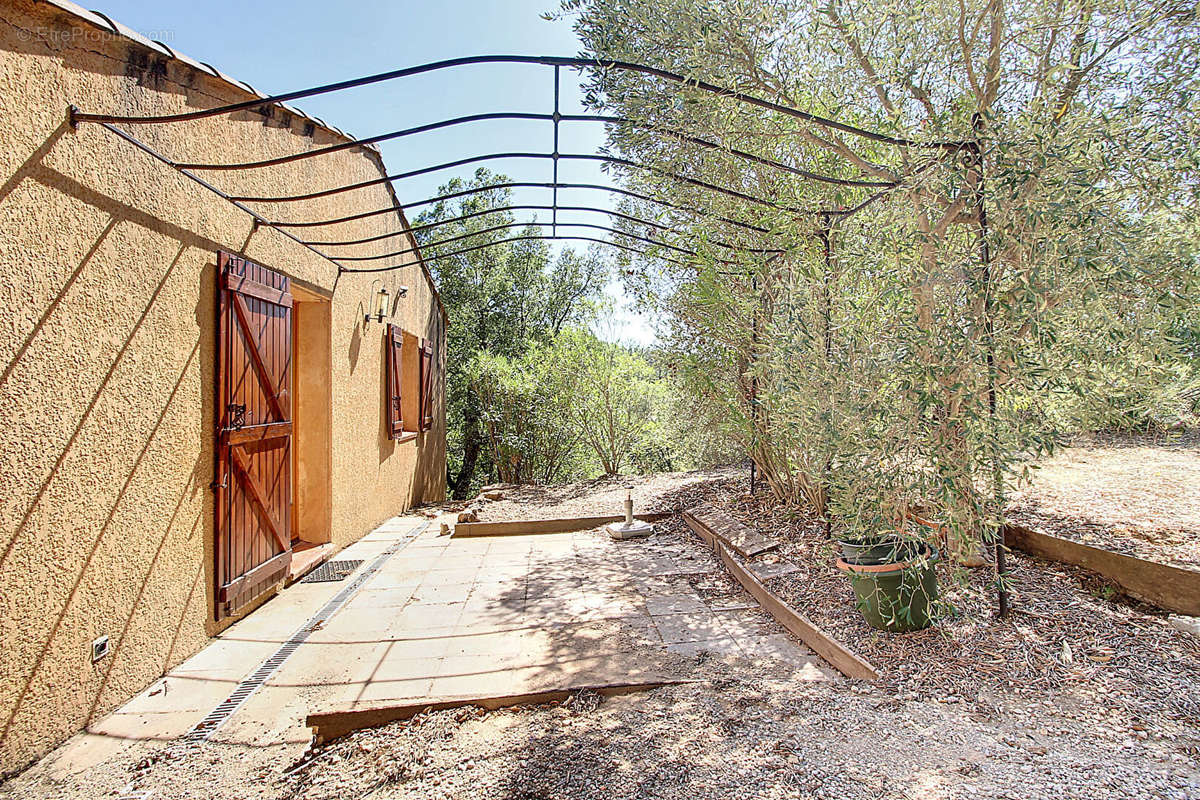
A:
[(447, 618)]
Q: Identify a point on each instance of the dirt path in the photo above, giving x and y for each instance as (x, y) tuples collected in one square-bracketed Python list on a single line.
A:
[(742, 735), (604, 496), (1137, 495)]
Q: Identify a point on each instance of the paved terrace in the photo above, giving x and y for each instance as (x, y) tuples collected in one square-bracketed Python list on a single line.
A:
[(443, 618)]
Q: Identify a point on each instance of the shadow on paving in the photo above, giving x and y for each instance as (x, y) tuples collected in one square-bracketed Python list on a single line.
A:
[(592, 611)]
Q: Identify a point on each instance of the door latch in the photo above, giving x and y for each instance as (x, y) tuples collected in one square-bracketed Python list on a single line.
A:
[(237, 415)]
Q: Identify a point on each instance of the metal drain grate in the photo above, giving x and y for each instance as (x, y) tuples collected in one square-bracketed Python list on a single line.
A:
[(332, 571), (224, 710)]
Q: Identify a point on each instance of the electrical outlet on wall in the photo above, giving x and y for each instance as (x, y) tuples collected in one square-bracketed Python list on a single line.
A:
[(99, 648)]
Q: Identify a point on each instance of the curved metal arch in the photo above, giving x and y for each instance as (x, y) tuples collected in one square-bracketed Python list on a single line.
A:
[(519, 185), (550, 61), (382, 137), (259, 219), (440, 256), (494, 210), (509, 240), (518, 207), (422, 260), (623, 162), (512, 225), (556, 117)]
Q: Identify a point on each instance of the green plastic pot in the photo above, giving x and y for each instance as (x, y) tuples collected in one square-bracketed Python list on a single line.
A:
[(895, 597), (879, 550)]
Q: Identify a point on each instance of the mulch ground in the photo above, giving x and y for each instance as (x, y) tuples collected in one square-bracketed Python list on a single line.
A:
[(1071, 633)]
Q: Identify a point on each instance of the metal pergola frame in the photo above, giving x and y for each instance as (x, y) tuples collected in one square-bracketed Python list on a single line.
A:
[(510, 225), (520, 185), (189, 169), (241, 203), (826, 216)]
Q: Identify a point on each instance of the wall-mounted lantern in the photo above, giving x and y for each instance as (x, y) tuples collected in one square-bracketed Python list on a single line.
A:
[(377, 304), (378, 301)]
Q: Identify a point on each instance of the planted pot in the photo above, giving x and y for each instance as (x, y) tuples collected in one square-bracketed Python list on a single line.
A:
[(883, 549), (895, 596)]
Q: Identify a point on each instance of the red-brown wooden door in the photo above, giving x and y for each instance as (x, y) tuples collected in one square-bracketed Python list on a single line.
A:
[(254, 431)]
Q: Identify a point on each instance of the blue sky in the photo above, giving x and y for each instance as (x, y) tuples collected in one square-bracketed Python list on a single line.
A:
[(281, 46)]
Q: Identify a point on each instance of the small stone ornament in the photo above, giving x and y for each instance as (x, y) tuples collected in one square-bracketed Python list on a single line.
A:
[(630, 528)]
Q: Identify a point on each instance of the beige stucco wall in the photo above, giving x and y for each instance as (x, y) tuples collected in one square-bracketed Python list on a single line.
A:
[(107, 266)]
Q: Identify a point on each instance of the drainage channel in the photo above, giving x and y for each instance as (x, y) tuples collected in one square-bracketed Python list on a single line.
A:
[(252, 683)]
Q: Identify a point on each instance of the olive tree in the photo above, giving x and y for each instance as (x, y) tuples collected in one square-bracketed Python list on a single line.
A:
[(1021, 155)]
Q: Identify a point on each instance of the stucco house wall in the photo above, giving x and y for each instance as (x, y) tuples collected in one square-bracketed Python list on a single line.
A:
[(107, 303)]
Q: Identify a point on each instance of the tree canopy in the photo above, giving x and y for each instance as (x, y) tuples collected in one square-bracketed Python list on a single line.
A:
[(501, 300), (1035, 241)]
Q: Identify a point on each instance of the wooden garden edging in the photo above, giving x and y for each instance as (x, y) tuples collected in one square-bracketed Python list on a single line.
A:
[(563, 525), (841, 657), (337, 722), (1171, 588), (746, 542)]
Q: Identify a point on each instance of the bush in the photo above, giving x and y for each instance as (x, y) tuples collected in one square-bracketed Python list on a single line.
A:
[(572, 407)]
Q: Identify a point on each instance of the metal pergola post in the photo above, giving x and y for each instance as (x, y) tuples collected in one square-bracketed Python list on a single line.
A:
[(975, 154), (754, 386), (557, 120), (826, 235)]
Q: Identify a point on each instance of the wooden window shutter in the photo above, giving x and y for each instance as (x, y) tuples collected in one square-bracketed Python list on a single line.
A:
[(426, 385), (394, 345)]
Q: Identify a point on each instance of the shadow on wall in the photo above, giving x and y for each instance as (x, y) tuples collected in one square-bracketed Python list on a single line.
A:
[(108, 527), (355, 346), (144, 570), (150, 70)]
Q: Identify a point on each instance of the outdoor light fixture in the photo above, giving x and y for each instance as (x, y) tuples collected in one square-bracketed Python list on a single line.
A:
[(380, 303)]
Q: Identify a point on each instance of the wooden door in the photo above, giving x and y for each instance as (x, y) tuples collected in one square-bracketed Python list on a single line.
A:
[(254, 433)]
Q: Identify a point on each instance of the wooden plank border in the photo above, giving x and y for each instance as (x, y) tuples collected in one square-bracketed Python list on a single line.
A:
[(1168, 587), (751, 543), (841, 657), (563, 525), (337, 722)]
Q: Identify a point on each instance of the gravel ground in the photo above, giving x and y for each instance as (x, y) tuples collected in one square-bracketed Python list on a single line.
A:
[(746, 735), (970, 709), (741, 735), (1071, 631), (1138, 495), (602, 496)]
